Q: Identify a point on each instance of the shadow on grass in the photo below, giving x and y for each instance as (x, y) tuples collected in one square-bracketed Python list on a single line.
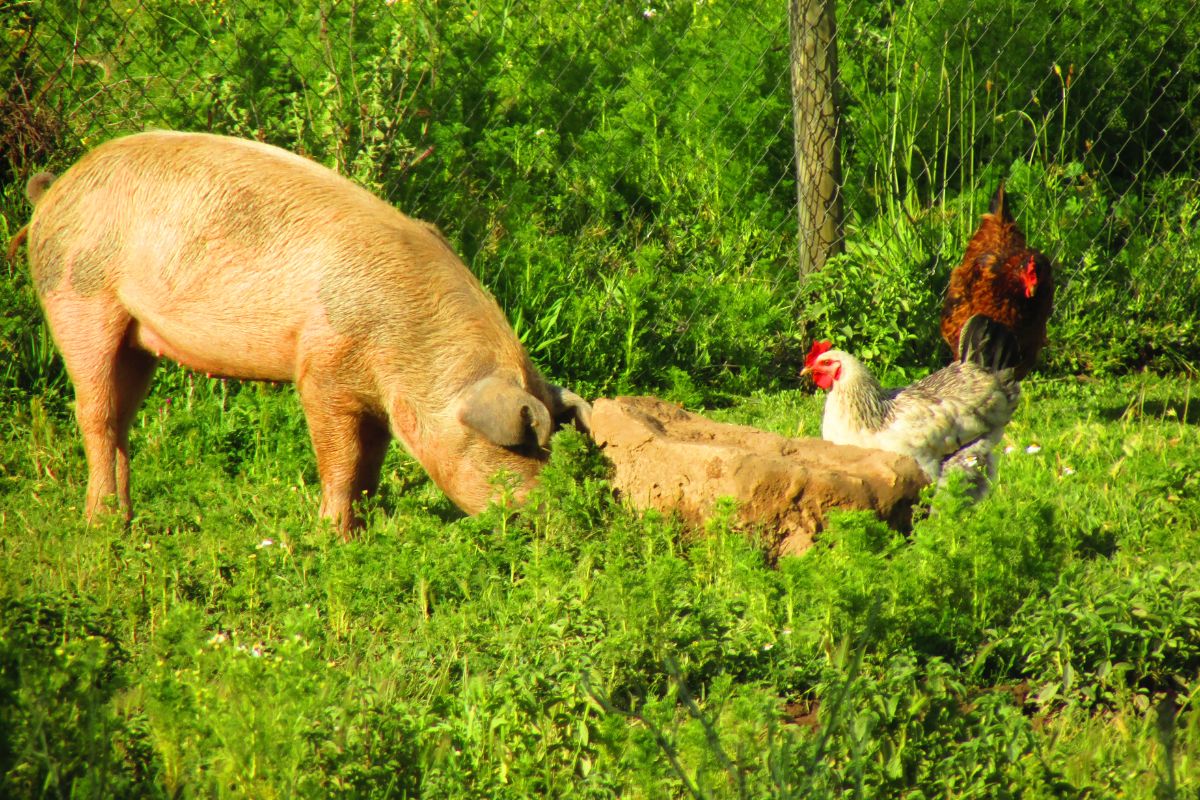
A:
[(1186, 410)]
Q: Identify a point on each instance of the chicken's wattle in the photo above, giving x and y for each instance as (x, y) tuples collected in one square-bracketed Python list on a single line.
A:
[(825, 378)]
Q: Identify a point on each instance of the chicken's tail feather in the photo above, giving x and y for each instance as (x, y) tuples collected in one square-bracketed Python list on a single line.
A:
[(988, 344), (999, 207)]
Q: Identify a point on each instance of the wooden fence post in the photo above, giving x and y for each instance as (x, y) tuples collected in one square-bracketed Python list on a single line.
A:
[(813, 28)]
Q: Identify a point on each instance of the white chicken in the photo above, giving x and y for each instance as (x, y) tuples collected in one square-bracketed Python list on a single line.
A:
[(950, 420)]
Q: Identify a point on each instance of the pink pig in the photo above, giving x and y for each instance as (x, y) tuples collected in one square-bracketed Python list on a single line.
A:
[(240, 259)]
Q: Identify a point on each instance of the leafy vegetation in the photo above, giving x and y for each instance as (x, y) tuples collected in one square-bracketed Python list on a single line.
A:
[(634, 212), (620, 176), (1045, 642)]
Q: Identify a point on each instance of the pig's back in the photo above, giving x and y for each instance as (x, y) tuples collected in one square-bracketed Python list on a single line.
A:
[(209, 240), (188, 209)]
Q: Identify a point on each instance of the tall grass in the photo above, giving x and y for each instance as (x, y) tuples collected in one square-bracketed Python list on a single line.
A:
[(229, 645), (633, 216)]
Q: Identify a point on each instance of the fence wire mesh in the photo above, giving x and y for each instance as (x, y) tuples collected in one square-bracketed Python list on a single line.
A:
[(623, 175)]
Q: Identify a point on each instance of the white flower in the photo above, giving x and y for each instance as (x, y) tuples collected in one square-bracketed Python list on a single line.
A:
[(767, 646), (1068, 471), (265, 543), (1009, 449), (540, 132), (1033, 448), (649, 13)]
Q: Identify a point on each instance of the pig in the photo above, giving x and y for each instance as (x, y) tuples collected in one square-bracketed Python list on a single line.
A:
[(240, 259)]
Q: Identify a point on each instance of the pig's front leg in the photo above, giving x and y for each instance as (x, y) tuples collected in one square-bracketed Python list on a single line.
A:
[(350, 446)]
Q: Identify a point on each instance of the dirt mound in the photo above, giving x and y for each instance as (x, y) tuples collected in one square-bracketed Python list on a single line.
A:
[(671, 460)]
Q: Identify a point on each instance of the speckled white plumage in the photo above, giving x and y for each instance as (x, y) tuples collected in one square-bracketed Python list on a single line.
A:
[(949, 420)]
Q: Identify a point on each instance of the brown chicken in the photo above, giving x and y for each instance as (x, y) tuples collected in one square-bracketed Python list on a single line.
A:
[(1005, 279)]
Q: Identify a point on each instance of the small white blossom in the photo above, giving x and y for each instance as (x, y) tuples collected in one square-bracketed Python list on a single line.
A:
[(649, 13), (265, 543), (1068, 471), (767, 646), (1009, 449), (1033, 448), (540, 132)]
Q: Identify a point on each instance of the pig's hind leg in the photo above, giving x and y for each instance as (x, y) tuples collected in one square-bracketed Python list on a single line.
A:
[(110, 378), (350, 445), (134, 369)]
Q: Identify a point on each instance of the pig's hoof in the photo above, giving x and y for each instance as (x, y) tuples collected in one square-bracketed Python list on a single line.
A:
[(105, 510)]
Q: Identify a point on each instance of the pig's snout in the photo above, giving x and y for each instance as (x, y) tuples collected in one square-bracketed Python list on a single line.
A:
[(504, 429)]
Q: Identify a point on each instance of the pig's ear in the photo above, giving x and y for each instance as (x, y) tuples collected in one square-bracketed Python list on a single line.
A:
[(570, 408), (504, 413)]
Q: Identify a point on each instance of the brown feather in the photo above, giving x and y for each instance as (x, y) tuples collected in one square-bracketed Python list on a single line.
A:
[(988, 282)]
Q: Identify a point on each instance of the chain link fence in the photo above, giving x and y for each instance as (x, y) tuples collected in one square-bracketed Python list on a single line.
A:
[(624, 175)]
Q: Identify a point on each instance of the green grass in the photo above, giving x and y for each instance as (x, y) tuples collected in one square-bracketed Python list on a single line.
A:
[(633, 216), (1044, 643)]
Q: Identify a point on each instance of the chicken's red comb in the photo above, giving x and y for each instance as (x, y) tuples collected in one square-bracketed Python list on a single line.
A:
[(817, 350)]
